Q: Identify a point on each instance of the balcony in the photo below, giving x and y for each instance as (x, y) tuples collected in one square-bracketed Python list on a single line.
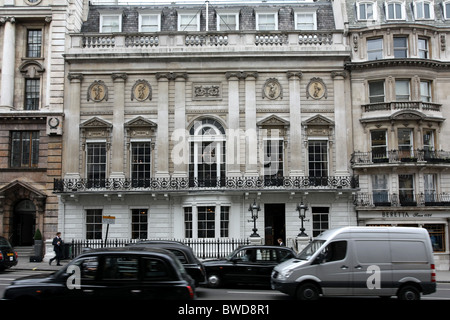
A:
[(384, 199), (233, 43), (418, 157), (172, 184)]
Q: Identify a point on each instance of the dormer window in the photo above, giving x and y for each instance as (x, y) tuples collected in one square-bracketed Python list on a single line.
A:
[(149, 22), (266, 20), (305, 20), (188, 21), (227, 20), (423, 10), (395, 11), (367, 11), (446, 6), (110, 23)]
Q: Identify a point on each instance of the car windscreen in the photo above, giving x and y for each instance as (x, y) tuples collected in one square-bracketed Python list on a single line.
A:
[(310, 249), (4, 244)]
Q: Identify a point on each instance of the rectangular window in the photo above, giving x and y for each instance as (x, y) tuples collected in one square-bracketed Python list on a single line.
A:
[(423, 48), (110, 23), (140, 163), (24, 149), (149, 23), (188, 222), (376, 91), (32, 94), (305, 21), (429, 187), (400, 47), (266, 21), (405, 143), (188, 22), (366, 11), (318, 162), (380, 190), (273, 159), (120, 268), (139, 223), (447, 10), (227, 21), (34, 43), (406, 190), (375, 49), (423, 10), (224, 221), (96, 164), (94, 223), (425, 91), (379, 144), (206, 222), (395, 11), (437, 236), (428, 141), (320, 219), (402, 90)]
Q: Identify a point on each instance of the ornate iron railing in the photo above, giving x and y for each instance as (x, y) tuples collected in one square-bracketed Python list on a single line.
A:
[(227, 183), (385, 199), (396, 156)]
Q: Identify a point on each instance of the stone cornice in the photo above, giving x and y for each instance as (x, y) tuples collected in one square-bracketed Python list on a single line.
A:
[(383, 63)]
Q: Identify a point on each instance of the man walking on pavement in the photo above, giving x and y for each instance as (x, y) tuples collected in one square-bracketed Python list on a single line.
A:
[(58, 248)]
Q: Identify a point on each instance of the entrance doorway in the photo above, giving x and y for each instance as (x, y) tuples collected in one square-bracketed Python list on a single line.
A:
[(274, 223), (24, 223)]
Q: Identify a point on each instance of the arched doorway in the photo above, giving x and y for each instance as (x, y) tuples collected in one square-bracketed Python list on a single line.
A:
[(24, 223)]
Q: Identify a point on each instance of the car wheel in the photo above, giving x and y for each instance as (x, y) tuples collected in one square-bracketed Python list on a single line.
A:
[(408, 292), (308, 291), (214, 281)]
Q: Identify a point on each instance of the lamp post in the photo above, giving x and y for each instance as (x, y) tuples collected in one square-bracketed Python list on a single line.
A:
[(301, 208), (254, 209)]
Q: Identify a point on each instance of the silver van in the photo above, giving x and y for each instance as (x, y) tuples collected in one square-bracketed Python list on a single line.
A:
[(371, 261)]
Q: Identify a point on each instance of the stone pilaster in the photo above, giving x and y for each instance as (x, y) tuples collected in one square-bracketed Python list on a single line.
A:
[(8, 64), (118, 152), (295, 129)]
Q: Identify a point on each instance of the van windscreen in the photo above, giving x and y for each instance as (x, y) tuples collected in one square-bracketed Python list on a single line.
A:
[(310, 249)]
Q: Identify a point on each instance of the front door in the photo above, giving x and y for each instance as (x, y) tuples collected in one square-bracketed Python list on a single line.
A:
[(274, 223), (24, 223)]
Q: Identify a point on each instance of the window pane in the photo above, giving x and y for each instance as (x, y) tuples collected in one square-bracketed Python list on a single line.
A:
[(140, 163), (139, 223), (423, 48), (379, 144), (375, 49), (376, 91), (111, 24), (24, 149), (266, 21), (34, 43), (32, 94), (149, 23), (206, 222), (188, 22), (400, 47), (425, 91), (227, 22), (94, 223), (96, 164), (402, 90)]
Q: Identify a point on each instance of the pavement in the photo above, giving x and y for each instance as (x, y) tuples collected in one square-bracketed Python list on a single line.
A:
[(442, 276)]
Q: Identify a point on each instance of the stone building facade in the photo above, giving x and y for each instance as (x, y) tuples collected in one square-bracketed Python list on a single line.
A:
[(178, 117), (400, 74), (32, 43)]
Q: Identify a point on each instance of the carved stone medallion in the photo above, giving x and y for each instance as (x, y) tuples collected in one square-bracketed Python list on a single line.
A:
[(316, 89), (272, 89), (97, 91), (141, 91)]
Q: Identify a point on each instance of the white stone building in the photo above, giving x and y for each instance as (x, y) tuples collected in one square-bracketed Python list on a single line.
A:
[(179, 116)]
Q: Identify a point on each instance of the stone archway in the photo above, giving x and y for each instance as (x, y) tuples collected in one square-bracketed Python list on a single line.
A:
[(11, 197)]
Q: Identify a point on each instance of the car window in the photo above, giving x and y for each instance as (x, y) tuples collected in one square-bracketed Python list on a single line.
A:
[(180, 255), (284, 255), (266, 255), (245, 255), (335, 251), (120, 267), (88, 267), (4, 244), (156, 269)]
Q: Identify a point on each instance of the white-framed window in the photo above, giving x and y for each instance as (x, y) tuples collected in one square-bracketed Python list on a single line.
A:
[(375, 48), (207, 221), (425, 91), (305, 21), (395, 10), (446, 8), (423, 50), (266, 20), (376, 91), (110, 23), (423, 10), (402, 90), (149, 22), (400, 47), (366, 10), (380, 189), (379, 143), (96, 163), (188, 21), (227, 21)]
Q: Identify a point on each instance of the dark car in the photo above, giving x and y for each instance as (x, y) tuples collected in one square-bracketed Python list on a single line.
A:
[(184, 254), (8, 257), (246, 265), (114, 273)]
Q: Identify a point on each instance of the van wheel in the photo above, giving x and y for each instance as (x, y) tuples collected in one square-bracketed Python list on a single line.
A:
[(308, 291), (214, 281), (408, 292)]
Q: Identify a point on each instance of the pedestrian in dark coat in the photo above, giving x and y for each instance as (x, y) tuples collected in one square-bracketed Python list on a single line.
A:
[(58, 248)]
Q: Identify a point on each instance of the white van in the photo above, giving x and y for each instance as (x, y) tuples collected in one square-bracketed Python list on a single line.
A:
[(375, 261)]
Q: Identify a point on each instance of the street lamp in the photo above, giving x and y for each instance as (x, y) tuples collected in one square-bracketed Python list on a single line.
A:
[(254, 209), (301, 208)]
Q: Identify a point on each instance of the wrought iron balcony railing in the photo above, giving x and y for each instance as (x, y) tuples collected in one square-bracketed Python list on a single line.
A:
[(189, 184), (385, 199), (397, 156)]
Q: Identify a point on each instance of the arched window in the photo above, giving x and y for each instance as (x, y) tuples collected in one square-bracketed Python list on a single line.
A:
[(207, 154)]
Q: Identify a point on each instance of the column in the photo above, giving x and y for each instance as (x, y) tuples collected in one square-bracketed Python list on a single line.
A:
[(342, 128), (162, 138), (251, 163), (234, 133), (295, 130), (71, 137), (8, 63), (180, 152), (118, 152)]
